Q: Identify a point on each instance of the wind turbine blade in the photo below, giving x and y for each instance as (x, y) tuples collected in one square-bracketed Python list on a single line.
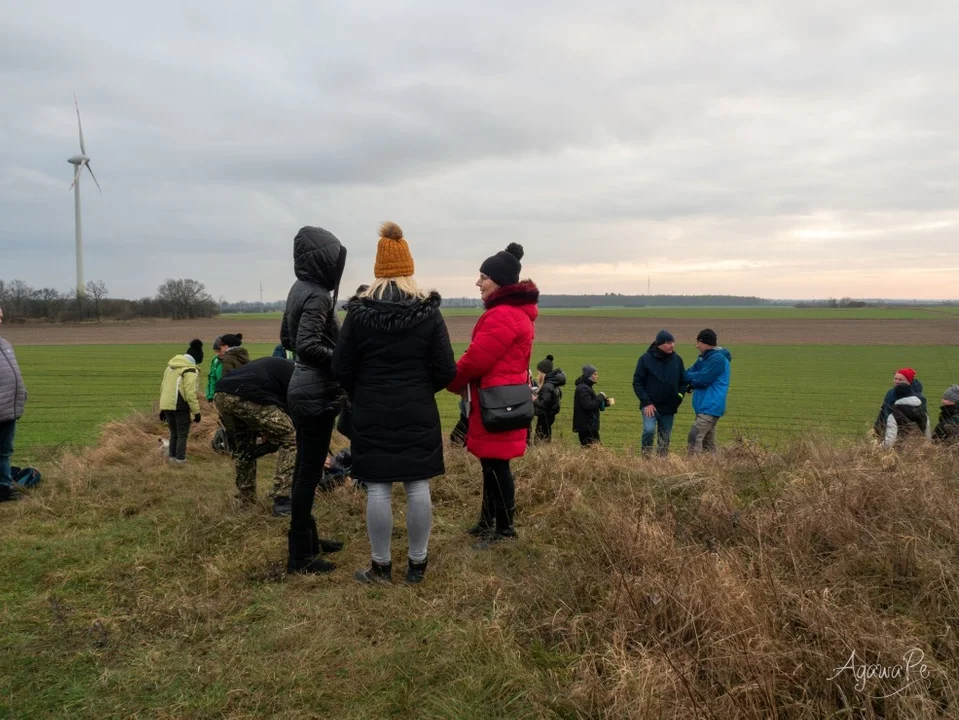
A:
[(83, 147), (76, 176), (93, 176)]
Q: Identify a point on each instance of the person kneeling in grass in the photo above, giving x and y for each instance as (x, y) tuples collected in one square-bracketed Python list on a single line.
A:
[(251, 402)]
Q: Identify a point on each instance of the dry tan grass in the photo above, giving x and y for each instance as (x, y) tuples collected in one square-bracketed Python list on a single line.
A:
[(717, 588)]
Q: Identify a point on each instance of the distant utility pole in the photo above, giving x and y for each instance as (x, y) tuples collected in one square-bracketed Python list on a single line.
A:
[(261, 292), (648, 281)]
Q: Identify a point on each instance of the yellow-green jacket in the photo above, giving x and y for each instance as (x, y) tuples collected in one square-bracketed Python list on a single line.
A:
[(180, 381)]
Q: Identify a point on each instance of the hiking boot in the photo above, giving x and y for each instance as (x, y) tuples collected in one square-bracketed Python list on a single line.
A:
[(495, 537), (375, 573), (300, 559), (282, 507), (480, 529), (321, 544), (416, 571)]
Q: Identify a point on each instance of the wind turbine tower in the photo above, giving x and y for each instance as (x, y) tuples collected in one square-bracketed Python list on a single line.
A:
[(80, 161)]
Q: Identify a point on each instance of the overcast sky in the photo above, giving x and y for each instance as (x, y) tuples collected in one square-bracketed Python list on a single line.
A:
[(783, 149)]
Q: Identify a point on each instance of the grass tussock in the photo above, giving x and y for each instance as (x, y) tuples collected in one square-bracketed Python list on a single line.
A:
[(725, 587)]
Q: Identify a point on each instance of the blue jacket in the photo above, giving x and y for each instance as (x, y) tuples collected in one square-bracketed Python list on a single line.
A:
[(709, 379)]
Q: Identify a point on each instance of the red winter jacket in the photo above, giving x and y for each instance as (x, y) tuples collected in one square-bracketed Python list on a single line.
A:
[(498, 354)]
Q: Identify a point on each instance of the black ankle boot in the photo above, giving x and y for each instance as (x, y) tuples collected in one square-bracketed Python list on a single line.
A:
[(416, 571), (301, 559), (319, 544), (375, 573)]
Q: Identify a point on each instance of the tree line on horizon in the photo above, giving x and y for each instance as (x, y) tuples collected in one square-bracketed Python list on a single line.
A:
[(186, 299), (180, 299)]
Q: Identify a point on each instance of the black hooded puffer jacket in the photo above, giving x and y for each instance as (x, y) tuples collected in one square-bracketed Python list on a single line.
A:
[(310, 326), (392, 357)]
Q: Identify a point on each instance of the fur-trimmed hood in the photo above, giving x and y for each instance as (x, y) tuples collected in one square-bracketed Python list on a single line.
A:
[(524, 292), (392, 315)]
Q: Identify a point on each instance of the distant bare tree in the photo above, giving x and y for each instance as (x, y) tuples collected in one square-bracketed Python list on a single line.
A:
[(19, 293), (50, 301), (186, 298), (97, 289)]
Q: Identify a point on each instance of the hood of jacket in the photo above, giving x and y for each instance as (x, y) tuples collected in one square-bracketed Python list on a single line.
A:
[(394, 313), (556, 378), (523, 294), (318, 257), (240, 352), (179, 363), (584, 381), (721, 351), (910, 401)]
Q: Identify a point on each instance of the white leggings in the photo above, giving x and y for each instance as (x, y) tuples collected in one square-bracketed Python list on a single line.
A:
[(379, 518)]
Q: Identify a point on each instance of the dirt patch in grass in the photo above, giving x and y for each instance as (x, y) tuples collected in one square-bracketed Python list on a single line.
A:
[(549, 329)]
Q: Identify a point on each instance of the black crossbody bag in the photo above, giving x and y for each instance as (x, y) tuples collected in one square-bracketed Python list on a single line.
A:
[(506, 407)]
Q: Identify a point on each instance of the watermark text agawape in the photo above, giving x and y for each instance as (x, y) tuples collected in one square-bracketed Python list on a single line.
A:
[(896, 678)]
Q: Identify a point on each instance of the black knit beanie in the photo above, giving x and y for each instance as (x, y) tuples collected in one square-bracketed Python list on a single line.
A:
[(708, 337), (663, 336), (195, 350), (545, 366), (504, 267)]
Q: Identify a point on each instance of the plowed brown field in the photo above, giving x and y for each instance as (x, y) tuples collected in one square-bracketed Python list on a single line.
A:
[(549, 329)]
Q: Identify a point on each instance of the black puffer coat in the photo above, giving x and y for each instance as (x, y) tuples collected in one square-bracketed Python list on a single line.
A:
[(392, 357), (310, 327)]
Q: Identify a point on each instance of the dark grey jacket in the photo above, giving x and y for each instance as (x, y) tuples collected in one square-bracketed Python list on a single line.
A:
[(13, 393)]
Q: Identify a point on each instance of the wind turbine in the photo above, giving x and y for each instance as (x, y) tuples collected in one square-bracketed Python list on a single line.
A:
[(82, 160)]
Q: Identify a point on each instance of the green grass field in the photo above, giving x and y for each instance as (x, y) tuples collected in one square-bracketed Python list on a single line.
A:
[(711, 313), (777, 391)]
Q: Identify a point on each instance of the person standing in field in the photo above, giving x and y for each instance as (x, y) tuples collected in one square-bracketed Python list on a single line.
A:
[(548, 397), (587, 405), (310, 329), (658, 383), (392, 357), (902, 376), (216, 368), (234, 355), (498, 356), (178, 398), (13, 401), (907, 418), (708, 379), (251, 402), (947, 429)]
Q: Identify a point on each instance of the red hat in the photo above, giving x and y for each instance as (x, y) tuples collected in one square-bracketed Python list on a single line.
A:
[(907, 373)]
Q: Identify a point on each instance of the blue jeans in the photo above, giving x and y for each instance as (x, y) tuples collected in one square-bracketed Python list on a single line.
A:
[(665, 423), (7, 431)]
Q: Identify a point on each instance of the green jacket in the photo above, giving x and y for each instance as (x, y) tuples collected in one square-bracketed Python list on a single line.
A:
[(180, 378), (216, 372)]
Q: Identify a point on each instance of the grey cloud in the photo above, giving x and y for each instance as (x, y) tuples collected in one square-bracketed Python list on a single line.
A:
[(218, 129)]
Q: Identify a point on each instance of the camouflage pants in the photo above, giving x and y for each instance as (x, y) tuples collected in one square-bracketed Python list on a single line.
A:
[(248, 420)]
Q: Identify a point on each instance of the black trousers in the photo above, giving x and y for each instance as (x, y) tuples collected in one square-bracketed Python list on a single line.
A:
[(588, 437), (499, 493), (312, 446), (544, 426), (179, 423)]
